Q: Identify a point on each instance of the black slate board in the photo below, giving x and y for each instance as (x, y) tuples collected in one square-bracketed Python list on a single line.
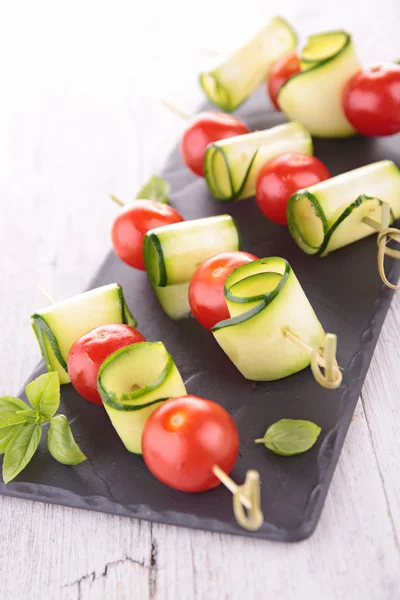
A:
[(346, 292)]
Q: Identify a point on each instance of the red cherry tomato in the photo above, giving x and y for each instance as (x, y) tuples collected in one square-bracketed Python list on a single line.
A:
[(206, 289), (184, 438), (131, 225), (283, 176), (91, 350), (371, 100), (280, 72), (205, 128)]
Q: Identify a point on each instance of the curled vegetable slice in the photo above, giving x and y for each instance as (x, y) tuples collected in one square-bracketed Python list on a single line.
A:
[(59, 325), (314, 96), (132, 382), (231, 166), (266, 303), (338, 211), (229, 83)]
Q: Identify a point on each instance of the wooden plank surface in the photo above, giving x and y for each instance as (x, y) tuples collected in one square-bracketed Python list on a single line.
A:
[(79, 117)]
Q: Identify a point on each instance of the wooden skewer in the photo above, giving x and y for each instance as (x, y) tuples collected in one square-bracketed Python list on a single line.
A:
[(324, 357), (385, 233), (117, 200), (246, 496), (46, 295), (181, 113)]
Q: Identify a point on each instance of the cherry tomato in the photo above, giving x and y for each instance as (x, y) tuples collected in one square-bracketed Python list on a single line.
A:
[(206, 289), (280, 72), (371, 100), (91, 350), (131, 225), (281, 177), (184, 438), (205, 128)]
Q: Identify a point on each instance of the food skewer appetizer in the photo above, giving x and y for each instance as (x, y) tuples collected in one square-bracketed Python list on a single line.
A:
[(132, 382), (203, 129), (172, 254), (314, 95), (273, 330), (229, 83), (59, 325), (206, 289), (231, 166), (192, 444), (149, 210), (347, 208)]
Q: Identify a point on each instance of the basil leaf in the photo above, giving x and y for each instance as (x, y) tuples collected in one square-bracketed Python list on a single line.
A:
[(28, 415), (290, 436), (156, 189), (6, 433), (61, 443), (10, 420), (44, 394), (20, 450), (9, 403)]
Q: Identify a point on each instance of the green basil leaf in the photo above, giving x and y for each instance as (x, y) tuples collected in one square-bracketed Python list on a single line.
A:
[(156, 189), (44, 394), (28, 415), (6, 433), (10, 420), (9, 403), (20, 450), (290, 436), (61, 443)]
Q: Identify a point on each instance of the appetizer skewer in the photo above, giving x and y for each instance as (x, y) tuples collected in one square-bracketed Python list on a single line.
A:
[(149, 210), (273, 330), (191, 444), (347, 208), (203, 129), (229, 83), (172, 254), (231, 166), (314, 96), (59, 325)]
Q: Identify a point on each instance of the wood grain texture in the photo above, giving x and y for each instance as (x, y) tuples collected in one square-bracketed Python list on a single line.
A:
[(80, 117)]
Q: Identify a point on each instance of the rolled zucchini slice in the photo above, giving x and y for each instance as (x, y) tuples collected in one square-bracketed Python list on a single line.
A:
[(232, 165), (265, 299), (172, 254), (132, 383), (59, 325), (314, 96), (333, 213), (238, 76)]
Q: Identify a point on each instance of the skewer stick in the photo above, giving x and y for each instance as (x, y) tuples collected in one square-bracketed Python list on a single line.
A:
[(324, 357), (385, 234), (117, 200), (244, 496), (46, 295), (181, 113)]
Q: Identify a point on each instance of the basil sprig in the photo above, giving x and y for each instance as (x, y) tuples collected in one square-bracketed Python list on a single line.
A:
[(21, 427), (156, 188), (290, 436)]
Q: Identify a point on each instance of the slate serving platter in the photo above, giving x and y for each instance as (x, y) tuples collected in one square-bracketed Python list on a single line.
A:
[(350, 300)]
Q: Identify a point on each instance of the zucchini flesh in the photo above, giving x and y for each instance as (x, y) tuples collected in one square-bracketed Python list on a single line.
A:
[(59, 325), (264, 298), (314, 96), (172, 254), (330, 214), (232, 165), (132, 382), (234, 79)]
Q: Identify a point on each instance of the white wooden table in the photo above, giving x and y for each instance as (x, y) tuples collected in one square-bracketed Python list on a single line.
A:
[(80, 117)]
